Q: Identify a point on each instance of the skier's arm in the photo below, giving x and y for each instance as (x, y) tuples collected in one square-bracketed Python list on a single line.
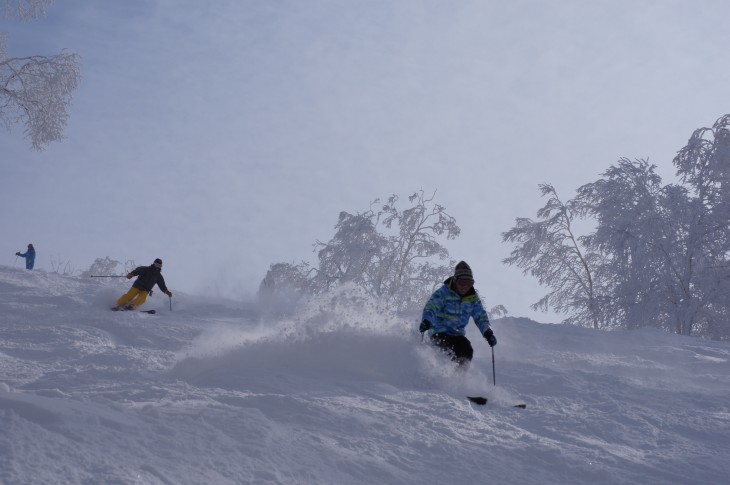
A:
[(161, 284), (481, 318), (432, 308), (136, 272)]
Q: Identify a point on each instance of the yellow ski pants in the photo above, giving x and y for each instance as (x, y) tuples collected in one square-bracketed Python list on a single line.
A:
[(136, 296)]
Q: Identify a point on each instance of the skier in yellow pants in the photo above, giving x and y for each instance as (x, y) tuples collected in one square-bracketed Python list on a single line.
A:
[(134, 298), (147, 278)]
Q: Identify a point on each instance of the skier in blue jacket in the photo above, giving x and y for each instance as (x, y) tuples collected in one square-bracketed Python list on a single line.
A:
[(447, 313), (29, 256)]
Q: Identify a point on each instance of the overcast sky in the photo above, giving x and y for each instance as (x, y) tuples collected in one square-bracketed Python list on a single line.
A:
[(225, 136)]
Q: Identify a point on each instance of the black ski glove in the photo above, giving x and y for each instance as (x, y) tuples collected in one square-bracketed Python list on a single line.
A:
[(425, 325), (491, 339)]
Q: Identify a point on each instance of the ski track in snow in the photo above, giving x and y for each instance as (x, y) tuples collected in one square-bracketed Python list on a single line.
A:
[(223, 392)]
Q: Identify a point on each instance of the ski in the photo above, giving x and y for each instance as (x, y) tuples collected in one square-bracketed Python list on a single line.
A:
[(483, 400), (117, 309)]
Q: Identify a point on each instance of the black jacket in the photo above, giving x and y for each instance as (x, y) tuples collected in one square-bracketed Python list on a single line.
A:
[(148, 277)]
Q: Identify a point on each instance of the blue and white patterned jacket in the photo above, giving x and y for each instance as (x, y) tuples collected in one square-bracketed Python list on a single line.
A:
[(449, 312)]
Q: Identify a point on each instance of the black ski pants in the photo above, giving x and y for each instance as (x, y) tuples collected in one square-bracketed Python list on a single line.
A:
[(457, 346)]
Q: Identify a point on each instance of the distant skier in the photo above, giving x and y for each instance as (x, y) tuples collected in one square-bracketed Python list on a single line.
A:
[(147, 278), (29, 256), (447, 313)]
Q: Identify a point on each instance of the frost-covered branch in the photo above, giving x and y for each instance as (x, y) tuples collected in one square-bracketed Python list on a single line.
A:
[(26, 9), (35, 91)]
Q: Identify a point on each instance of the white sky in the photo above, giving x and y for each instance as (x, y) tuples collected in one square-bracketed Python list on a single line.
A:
[(223, 137)]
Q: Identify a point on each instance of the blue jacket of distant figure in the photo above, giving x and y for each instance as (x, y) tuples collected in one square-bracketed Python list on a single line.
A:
[(449, 312), (29, 256)]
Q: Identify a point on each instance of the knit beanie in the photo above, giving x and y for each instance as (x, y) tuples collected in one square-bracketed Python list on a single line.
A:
[(463, 272), (158, 261)]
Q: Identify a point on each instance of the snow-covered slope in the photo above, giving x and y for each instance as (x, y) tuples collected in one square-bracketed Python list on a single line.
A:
[(220, 392)]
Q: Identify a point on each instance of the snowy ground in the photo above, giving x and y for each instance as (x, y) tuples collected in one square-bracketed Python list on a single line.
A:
[(218, 392)]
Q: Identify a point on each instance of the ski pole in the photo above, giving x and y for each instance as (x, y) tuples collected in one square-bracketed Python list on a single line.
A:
[(494, 379), (170, 303), (16, 261), (107, 276)]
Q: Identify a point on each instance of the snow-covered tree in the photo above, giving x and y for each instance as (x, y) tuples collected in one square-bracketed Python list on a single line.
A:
[(416, 258), (353, 254), (402, 264), (109, 267), (550, 250), (393, 254), (659, 255), (286, 281), (35, 91), (704, 168), (635, 240)]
